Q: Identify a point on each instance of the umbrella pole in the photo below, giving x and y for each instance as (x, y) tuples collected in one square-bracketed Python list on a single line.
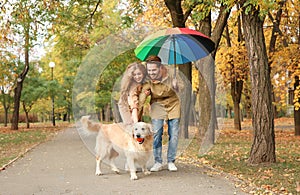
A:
[(173, 39)]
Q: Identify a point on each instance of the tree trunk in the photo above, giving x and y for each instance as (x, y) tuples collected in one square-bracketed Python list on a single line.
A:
[(206, 78), (17, 97), (27, 120), (176, 12), (65, 116), (297, 112), (237, 118), (5, 117), (20, 80), (101, 114), (236, 93), (205, 105), (26, 115), (6, 105), (107, 115), (116, 112), (297, 122), (186, 109), (206, 95), (263, 146), (186, 69), (178, 20), (236, 85), (275, 32), (247, 102)]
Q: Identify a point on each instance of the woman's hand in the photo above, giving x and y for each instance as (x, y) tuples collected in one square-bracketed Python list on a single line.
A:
[(147, 92)]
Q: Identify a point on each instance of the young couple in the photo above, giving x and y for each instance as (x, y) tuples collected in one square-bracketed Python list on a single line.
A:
[(154, 80)]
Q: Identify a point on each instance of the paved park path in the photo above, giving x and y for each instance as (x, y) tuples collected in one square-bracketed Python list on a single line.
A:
[(65, 166)]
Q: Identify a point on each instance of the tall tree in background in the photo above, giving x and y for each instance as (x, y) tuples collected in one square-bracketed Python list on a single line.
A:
[(7, 78), (34, 89), (25, 19), (296, 77), (232, 63), (207, 72), (263, 146), (275, 32), (284, 61), (297, 106), (179, 19)]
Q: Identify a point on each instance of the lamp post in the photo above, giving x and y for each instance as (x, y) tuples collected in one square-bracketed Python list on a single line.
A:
[(51, 65)]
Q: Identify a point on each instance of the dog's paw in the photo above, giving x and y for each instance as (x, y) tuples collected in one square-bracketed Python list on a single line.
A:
[(146, 172), (116, 170), (133, 177), (98, 173)]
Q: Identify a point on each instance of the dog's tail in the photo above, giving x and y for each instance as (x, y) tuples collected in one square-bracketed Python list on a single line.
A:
[(89, 125)]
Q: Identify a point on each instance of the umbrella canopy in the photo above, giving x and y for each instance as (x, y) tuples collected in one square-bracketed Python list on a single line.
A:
[(175, 46)]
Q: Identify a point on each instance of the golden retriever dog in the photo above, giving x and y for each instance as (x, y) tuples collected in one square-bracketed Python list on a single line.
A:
[(112, 140)]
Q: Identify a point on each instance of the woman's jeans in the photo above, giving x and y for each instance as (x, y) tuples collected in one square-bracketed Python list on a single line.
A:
[(173, 130)]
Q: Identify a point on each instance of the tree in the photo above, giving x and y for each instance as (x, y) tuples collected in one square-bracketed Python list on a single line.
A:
[(92, 22), (179, 18), (275, 32), (263, 146), (207, 95), (6, 100), (7, 77), (34, 89), (283, 58), (297, 106), (232, 63), (110, 79), (26, 19)]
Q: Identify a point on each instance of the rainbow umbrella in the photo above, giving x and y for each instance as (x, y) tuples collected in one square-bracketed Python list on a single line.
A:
[(175, 46)]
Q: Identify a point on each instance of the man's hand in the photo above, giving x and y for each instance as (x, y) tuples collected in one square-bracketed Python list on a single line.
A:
[(174, 84)]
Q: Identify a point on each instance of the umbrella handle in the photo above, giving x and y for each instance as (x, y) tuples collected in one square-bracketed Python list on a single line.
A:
[(174, 70), (174, 49)]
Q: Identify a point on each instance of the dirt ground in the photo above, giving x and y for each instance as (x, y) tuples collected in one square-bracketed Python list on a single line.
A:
[(64, 165)]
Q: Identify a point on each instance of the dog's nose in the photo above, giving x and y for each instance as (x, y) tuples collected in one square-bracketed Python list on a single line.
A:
[(138, 135)]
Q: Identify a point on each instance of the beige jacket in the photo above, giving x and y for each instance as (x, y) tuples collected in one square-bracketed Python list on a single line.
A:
[(165, 103)]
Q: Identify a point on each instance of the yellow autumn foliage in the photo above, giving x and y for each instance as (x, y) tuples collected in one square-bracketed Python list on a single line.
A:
[(285, 66)]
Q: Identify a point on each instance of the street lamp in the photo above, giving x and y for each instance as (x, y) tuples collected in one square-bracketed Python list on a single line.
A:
[(51, 65)]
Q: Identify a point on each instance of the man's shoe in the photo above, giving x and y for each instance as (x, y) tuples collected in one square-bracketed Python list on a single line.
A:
[(172, 167), (156, 167)]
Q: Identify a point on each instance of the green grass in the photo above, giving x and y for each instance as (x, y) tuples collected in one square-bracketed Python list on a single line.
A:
[(22, 137), (5, 160), (12, 144)]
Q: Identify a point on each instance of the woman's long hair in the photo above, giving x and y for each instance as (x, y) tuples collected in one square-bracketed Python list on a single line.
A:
[(128, 80)]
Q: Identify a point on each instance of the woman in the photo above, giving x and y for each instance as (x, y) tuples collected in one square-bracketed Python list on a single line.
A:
[(131, 84)]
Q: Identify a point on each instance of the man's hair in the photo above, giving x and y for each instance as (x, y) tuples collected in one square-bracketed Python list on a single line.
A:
[(154, 60)]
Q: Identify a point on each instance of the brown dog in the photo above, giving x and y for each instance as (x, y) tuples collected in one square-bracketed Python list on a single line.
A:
[(112, 139)]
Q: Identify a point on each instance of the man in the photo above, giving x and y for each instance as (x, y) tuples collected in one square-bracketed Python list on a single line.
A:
[(165, 105)]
